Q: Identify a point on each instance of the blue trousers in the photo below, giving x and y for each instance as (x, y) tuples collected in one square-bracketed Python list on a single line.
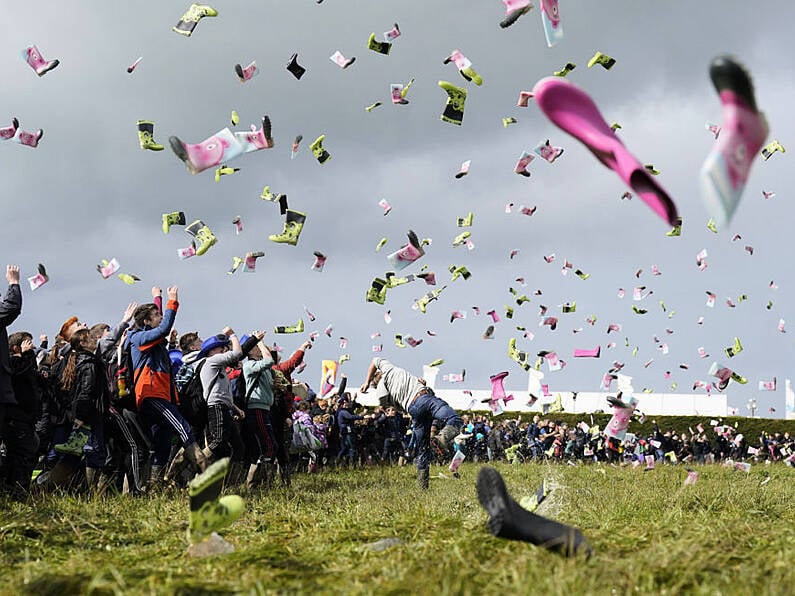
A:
[(424, 411), (164, 419)]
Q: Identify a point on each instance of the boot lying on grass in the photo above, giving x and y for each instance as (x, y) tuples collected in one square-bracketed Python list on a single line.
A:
[(507, 519), (208, 512)]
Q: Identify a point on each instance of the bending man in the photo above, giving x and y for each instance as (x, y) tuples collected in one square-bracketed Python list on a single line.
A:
[(396, 386)]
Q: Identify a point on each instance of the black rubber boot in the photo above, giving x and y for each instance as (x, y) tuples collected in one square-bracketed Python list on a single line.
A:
[(507, 519)]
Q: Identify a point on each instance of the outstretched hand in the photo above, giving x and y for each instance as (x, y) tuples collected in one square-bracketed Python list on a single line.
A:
[(129, 312), (12, 274)]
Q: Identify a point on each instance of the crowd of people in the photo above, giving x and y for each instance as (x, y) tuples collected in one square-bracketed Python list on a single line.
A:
[(136, 407), (543, 439)]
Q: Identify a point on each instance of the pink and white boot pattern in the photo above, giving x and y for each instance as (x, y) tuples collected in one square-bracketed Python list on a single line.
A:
[(33, 57)]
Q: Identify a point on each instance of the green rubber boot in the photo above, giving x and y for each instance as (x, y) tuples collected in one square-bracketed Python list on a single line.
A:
[(175, 218), (377, 291), (75, 443), (208, 512), (146, 136), (293, 224), (187, 23), (204, 236), (677, 229), (454, 108), (320, 154), (381, 47), (521, 358), (297, 328)]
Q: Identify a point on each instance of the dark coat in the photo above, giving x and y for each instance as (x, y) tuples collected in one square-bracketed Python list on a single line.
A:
[(90, 392), (27, 389), (10, 308)]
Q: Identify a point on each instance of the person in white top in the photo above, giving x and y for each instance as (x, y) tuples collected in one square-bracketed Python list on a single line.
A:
[(397, 386)]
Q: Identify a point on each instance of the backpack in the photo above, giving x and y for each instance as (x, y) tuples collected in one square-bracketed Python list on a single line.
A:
[(192, 404), (304, 439), (282, 391), (120, 378)]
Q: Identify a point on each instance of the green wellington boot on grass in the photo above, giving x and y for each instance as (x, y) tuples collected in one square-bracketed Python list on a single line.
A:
[(208, 512)]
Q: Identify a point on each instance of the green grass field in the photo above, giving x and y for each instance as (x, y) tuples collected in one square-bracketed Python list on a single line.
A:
[(650, 533)]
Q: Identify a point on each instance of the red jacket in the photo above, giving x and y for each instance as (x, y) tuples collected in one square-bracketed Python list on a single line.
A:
[(286, 367)]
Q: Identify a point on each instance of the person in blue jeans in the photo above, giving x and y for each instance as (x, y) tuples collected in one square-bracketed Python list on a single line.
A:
[(345, 421), (397, 386)]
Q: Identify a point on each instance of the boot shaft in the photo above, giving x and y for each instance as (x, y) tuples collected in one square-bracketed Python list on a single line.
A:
[(30, 139), (423, 478), (175, 218)]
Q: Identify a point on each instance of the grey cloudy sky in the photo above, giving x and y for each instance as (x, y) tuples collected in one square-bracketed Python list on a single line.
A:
[(88, 192)]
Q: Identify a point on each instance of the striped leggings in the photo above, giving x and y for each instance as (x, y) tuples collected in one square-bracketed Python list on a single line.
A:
[(164, 419), (223, 434), (260, 439)]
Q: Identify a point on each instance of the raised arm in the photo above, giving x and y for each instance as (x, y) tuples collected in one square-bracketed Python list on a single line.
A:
[(11, 306), (369, 377)]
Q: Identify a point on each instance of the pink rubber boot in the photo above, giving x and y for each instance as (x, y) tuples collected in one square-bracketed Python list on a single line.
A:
[(247, 73), (221, 147), (256, 139), (31, 139), (550, 18), (400, 259), (573, 111), (9, 132), (578, 353), (743, 132), (33, 57), (497, 389)]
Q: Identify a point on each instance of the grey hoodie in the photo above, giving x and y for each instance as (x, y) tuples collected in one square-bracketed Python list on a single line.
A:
[(215, 366)]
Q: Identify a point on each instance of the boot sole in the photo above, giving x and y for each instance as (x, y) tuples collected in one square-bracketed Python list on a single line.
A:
[(49, 68), (729, 75), (513, 17), (179, 150), (266, 130)]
